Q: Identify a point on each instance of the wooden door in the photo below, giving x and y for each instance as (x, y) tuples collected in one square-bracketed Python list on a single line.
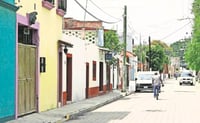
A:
[(100, 76), (108, 76), (69, 77), (60, 78), (26, 79), (87, 80)]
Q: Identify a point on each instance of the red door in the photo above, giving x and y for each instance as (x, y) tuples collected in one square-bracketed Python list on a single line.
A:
[(69, 77), (87, 80)]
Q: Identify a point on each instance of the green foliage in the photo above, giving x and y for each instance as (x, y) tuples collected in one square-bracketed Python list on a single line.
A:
[(157, 57), (159, 54), (165, 48), (177, 46), (160, 43), (192, 55), (140, 51), (111, 41)]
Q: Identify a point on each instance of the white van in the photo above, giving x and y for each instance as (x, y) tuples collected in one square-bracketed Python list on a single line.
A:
[(143, 80)]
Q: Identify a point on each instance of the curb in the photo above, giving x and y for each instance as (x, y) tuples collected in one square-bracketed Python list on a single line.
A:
[(74, 115)]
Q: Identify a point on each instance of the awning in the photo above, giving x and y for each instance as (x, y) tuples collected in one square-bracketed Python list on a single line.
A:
[(105, 49), (65, 43), (128, 54)]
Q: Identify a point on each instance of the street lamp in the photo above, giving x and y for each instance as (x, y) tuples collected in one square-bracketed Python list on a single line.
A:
[(65, 49)]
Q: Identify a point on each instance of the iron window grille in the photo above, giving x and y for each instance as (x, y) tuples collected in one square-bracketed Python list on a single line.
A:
[(62, 4), (50, 1)]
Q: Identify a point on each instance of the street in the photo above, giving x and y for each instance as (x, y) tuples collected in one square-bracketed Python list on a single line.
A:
[(176, 104)]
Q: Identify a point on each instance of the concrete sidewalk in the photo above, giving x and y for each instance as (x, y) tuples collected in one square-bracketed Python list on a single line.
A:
[(70, 111)]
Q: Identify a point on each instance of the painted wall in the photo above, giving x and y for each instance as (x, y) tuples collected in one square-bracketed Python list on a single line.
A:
[(50, 33), (9, 1), (7, 61), (92, 54), (79, 68)]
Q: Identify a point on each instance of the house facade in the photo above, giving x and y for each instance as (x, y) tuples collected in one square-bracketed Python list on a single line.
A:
[(39, 30), (7, 61), (90, 74), (127, 70)]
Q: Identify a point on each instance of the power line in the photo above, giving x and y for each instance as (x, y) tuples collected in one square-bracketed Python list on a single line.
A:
[(104, 11), (109, 22), (170, 34)]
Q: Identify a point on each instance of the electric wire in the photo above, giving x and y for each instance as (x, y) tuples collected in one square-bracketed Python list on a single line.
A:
[(104, 11), (108, 22), (170, 34)]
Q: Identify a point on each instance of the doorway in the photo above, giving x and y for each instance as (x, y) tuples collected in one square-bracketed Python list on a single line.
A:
[(69, 77), (108, 76), (26, 71), (87, 80), (100, 76)]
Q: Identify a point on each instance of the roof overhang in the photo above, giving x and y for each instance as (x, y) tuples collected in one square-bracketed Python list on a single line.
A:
[(128, 54), (61, 42), (105, 49)]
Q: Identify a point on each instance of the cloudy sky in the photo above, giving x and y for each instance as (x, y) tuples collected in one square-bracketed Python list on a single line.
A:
[(164, 20)]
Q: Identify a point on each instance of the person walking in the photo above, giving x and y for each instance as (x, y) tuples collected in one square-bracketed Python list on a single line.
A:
[(156, 82)]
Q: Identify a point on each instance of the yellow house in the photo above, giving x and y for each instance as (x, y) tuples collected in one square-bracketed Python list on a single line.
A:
[(39, 30)]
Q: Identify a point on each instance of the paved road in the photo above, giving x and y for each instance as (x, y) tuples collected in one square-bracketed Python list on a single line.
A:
[(177, 104)]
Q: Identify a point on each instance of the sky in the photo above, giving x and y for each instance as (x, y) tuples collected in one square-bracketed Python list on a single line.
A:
[(165, 20)]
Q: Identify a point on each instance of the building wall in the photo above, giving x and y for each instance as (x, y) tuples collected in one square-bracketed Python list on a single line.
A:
[(50, 33), (71, 23), (9, 1), (90, 34), (92, 54), (7, 61), (79, 68)]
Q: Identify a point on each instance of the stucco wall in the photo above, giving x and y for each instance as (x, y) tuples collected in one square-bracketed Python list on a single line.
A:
[(79, 68), (7, 62), (49, 34), (92, 54)]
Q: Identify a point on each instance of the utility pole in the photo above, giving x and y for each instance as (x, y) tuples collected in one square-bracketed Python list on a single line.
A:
[(149, 53), (141, 52), (124, 60)]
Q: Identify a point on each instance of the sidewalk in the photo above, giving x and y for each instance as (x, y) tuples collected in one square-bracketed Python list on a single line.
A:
[(70, 111)]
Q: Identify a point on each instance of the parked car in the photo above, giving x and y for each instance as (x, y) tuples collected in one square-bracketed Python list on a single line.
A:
[(186, 77), (143, 80)]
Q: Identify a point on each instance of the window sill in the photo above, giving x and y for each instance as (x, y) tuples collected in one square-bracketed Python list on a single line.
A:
[(60, 12), (47, 5)]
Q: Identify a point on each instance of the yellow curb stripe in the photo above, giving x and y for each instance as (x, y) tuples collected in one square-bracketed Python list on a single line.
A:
[(67, 117)]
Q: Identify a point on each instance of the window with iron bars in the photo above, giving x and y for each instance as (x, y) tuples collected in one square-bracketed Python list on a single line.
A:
[(50, 1), (62, 4)]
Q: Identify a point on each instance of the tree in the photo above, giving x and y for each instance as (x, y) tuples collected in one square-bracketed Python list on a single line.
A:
[(166, 49), (179, 50), (140, 51), (111, 41), (192, 55), (159, 52), (157, 57)]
